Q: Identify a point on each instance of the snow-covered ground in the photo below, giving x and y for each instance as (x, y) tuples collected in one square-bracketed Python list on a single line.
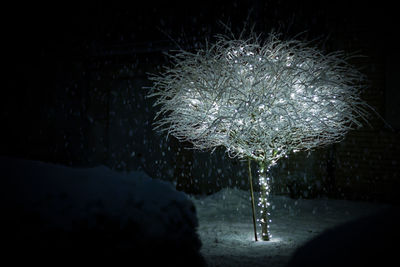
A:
[(226, 230), (51, 211)]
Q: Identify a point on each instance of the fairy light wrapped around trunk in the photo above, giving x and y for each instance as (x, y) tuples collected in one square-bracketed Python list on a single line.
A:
[(261, 100)]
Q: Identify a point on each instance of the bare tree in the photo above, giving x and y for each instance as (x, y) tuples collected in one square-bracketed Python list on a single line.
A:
[(261, 100)]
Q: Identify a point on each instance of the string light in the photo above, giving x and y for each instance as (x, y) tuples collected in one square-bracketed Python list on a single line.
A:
[(264, 203), (259, 100)]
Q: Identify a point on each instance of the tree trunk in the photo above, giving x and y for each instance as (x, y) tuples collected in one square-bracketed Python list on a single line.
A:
[(264, 181), (252, 200)]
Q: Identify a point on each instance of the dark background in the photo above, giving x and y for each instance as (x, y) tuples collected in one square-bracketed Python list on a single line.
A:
[(73, 92)]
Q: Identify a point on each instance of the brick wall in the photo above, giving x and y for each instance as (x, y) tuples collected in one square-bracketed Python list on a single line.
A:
[(366, 164)]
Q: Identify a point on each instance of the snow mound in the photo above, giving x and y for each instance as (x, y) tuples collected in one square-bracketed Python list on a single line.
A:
[(367, 241), (98, 213)]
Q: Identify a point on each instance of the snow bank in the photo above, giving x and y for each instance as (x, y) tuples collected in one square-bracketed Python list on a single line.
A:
[(97, 213), (368, 241)]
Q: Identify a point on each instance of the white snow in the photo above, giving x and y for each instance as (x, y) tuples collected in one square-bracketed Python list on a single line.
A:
[(226, 229), (51, 209)]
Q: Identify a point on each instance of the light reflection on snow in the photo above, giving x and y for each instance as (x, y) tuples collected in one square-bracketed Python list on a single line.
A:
[(271, 241), (226, 230)]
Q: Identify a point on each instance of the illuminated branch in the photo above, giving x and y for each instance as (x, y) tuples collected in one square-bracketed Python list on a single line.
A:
[(260, 100)]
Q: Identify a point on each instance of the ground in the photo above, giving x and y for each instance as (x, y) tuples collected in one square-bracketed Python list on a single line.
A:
[(226, 230), (50, 209)]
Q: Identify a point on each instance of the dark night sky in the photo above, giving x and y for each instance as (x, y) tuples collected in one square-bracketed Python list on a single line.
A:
[(32, 27), (38, 36), (36, 32)]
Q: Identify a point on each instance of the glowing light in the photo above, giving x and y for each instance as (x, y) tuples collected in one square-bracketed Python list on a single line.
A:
[(260, 100)]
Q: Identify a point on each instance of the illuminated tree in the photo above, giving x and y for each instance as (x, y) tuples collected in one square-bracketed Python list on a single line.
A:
[(259, 100)]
